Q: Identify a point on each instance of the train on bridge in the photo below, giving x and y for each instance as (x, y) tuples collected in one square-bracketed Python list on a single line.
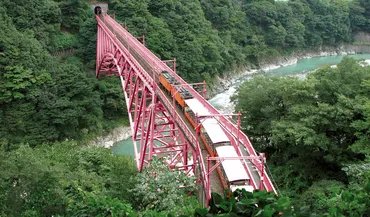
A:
[(170, 118), (232, 173)]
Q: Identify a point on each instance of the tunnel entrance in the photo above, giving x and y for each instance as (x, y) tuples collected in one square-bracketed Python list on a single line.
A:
[(97, 10)]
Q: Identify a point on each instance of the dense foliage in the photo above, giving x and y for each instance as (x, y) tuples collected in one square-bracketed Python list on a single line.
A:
[(68, 180), (63, 179), (157, 188), (259, 203), (210, 37), (327, 199), (43, 98), (314, 132)]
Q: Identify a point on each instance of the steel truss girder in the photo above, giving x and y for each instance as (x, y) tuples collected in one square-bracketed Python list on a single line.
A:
[(152, 116), (152, 126)]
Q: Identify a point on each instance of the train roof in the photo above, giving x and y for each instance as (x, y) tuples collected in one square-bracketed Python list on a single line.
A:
[(214, 131), (234, 169), (213, 128), (197, 107)]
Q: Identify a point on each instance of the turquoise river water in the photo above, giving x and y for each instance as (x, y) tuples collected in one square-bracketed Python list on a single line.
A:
[(222, 100), (306, 65)]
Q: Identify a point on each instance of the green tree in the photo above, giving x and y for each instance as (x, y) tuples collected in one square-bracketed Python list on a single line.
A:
[(64, 179), (322, 195), (93, 205), (258, 203), (17, 81), (307, 122), (29, 183), (73, 13), (87, 42), (362, 126), (40, 18), (358, 20), (159, 188)]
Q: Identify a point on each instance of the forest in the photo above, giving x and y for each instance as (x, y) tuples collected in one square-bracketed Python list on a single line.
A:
[(315, 132)]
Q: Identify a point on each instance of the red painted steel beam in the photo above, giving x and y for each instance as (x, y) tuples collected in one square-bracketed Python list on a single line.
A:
[(149, 118)]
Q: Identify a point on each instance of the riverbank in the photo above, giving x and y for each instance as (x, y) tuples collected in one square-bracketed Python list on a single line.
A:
[(222, 84), (277, 62), (116, 135), (222, 100)]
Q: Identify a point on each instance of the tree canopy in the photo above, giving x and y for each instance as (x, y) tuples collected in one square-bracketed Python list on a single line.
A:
[(314, 131), (43, 98), (210, 38)]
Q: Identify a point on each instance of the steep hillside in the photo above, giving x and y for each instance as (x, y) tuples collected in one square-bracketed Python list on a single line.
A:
[(316, 132), (44, 98)]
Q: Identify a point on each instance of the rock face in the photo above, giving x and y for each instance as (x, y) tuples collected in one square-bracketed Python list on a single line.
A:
[(116, 135), (359, 48), (277, 62), (224, 83), (362, 37)]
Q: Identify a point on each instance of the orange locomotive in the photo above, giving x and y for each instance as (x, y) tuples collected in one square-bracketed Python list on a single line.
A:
[(170, 84)]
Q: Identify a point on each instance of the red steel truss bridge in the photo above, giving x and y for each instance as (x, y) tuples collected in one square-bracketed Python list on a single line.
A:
[(160, 117)]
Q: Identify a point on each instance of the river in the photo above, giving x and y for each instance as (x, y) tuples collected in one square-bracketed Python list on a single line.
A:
[(222, 101)]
